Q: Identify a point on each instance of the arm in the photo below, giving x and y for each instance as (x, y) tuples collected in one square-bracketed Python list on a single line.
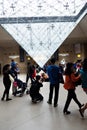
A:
[(75, 78)]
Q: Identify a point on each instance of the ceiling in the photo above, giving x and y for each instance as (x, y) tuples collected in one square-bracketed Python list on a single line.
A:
[(79, 34)]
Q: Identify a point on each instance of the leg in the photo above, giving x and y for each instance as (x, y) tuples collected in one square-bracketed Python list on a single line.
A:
[(39, 97), (56, 94), (75, 99), (82, 110), (27, 78), (3, 95), (50, 94), (7, 93), (69, 98)]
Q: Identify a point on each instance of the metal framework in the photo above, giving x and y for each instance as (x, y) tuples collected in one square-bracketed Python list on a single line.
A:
[(17, 20)]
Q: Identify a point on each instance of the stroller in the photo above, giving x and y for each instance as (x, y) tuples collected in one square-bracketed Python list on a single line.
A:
[(19, 87)]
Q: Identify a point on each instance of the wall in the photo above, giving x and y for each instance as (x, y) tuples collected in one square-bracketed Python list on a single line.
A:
[(5, 52), (68, 48)]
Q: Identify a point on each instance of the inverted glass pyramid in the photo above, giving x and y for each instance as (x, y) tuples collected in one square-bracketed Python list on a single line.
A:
[(41, 38)]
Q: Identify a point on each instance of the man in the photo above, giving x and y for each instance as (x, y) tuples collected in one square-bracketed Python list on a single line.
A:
[(29, 72), (53, 73)]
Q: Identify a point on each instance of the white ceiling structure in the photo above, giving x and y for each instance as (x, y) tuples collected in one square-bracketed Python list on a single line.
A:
[(41, 26)]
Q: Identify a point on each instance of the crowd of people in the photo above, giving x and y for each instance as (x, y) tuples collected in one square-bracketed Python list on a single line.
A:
[(51, 73)]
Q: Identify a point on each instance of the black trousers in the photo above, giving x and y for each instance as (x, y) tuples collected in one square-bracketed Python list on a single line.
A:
[(36, 96), (56, 94), (71, 95), (27, 78), (6, 92)]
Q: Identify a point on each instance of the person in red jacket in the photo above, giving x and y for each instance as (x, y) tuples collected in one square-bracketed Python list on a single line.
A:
[(69, 84)]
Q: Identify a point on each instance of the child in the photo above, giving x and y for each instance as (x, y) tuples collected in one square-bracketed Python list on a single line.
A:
[(34, 90)]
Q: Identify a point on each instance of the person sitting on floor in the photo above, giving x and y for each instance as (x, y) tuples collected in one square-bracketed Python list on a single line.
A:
[(34, 90)]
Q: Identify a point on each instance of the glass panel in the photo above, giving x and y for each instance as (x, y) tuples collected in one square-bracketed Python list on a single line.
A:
[(29, 8)]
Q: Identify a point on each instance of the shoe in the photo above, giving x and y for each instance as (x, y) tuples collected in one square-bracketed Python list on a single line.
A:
[(67, 112), (55, 105), (81, 112), (81, 106), (34, 101), (49, 102), (8, 99), (2, 99)]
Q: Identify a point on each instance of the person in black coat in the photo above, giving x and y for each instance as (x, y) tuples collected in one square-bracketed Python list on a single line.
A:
[(35, 90), (6, 82)]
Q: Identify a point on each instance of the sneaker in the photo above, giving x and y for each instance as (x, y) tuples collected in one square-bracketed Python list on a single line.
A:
[(55, 105), (8, 99), (81, 112), (34, 101), (2, 99), (49, 102), (66, 112), (81, 106)]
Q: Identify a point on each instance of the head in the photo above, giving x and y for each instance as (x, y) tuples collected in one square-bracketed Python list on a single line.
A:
[(69, 68), (53, 61), (12, 60), (6, 68), (38, 77)]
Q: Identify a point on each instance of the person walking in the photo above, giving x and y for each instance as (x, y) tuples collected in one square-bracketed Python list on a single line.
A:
[(6, 82), (69, 85), (53, 74)]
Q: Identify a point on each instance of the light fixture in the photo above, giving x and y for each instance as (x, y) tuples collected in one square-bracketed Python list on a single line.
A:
[(78, 55)]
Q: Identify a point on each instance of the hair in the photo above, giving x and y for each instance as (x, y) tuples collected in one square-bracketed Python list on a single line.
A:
[(38, 77), (53, 60), (5, 68), (85, 64), (68, 69)]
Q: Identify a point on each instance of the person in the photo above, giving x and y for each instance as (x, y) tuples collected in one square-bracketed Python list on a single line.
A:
[(33, 72), (29, 72), (13, 64), (53, 74), (17, 70), (83, 73), (35, 90), (6, 82), (69, 85)]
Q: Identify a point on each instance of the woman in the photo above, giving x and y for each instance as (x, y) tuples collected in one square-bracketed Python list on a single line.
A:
[(83, 72), (6, 82), (69, 84)]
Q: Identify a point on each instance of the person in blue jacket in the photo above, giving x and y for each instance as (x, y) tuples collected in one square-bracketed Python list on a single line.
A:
[(53, 73)]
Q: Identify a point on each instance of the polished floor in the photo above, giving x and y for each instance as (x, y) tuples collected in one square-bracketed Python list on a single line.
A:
[(21, 114)]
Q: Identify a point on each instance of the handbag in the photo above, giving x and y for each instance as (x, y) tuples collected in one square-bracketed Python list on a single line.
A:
[(79, 82), (11, 78), (61, 80)]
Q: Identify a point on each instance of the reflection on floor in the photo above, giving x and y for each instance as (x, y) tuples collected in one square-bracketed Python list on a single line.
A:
[(21, 114)]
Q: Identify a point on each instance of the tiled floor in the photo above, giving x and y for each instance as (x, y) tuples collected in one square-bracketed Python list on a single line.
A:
[(21, 114)]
